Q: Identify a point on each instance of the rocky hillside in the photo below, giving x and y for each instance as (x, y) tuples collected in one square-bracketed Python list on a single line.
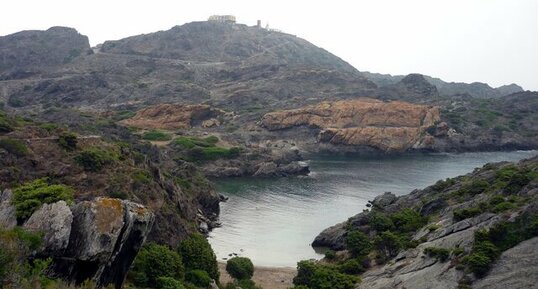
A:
[(472, 231), (26, 53)]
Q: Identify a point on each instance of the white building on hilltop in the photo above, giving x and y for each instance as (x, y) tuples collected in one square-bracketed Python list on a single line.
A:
[(222, 18)]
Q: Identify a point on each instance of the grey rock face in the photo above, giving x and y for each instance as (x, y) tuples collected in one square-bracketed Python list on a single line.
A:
[(517, 268), (106, 234), (55, 221), (8, 219), (384, 200)]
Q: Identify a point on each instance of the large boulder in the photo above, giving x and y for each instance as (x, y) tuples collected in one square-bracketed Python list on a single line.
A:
[(106, 235), (8, 218), (54, 220)]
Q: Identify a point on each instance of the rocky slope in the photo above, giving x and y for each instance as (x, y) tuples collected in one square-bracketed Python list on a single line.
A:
[(387, 126), (448, 230)]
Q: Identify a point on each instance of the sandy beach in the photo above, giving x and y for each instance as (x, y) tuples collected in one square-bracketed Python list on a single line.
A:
[(266, 277)]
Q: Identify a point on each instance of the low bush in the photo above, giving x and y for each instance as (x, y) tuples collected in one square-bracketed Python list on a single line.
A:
[(463, 214), (199, 278), (94, 159), (154, 261), (387, 245), (330, 255), (351, 266), (156, 135), (475, 187), (441, 254), (191, 142), (14, 146), (358, 243), (408, 220), (28, 197), (242, 284), (68, 141), (240, 268), (316, 276), (168, 283), (7, 124), (197, 254)]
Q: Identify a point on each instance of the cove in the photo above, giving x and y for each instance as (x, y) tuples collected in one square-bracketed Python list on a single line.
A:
[(274, 220)]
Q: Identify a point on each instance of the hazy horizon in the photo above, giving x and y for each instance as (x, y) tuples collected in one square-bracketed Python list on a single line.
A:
[(490, 41)]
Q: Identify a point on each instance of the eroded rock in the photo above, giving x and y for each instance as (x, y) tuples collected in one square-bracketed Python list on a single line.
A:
[(8, 218)]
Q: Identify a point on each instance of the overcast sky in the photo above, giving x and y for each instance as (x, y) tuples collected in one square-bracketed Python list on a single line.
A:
[(492, 41)]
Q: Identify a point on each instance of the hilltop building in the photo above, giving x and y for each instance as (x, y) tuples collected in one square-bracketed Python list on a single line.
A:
[(222, 18)]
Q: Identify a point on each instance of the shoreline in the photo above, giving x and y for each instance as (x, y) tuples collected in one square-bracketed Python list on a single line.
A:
[(266, 277)]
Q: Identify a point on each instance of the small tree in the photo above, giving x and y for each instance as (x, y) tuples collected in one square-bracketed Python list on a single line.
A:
[(155, 261), (197, 254), (388, 244), (240, 268), (68, 141)]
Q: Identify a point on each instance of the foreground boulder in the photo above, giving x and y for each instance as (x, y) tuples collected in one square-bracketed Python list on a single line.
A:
[(95, 240)]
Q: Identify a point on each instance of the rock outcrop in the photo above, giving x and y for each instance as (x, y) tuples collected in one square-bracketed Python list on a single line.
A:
[(414, 268), (8, 219), (172, 116), (387, 126), (96, 240)]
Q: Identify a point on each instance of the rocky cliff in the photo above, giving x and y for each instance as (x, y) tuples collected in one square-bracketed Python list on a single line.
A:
[(388, 126), (92, 240), (448, 225)]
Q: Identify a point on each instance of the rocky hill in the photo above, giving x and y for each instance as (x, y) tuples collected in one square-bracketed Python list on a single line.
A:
[(472, 231)]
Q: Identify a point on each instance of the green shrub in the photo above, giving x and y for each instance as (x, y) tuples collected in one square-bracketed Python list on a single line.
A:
[(94, 159), (142, 177), (478, 263), (168, 283), (351, 266), (380, 222), (330, 255), (463, 214), (315, 276), (13, 146), (408, 220), (475, 187), (240, 268), (191, 142), (441, 185), (243, 284), (388, 244), (358, 243), (438, 253), (504, 206), (154, 261), (68, 141), (197, 254), (28, 197), (156, 135), (213, 153), (199, 278)]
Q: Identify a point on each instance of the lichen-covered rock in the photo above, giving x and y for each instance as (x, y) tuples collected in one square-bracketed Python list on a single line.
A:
[(54, 220), (106, 235), (8, 218), (387, 126)]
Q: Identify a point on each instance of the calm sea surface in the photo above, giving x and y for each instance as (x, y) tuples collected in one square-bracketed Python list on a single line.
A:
[(273, 221)]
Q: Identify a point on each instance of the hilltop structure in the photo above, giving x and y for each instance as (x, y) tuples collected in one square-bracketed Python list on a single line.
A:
[(222, 18)]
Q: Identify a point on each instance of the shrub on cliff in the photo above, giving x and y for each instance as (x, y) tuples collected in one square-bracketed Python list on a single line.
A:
[(7, 124), (242, 284), (388, 245), (240, 268), (154, 261), (94, 159), (358, 243), (28, 197), (438, 253), (197, 254)]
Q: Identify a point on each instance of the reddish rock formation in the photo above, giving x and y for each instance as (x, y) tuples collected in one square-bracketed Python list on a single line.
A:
[(388, 126), (171, 116)]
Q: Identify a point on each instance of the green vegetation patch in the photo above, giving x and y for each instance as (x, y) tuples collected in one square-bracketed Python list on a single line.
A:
[(156, 135), (441, 254), (7, 124), (317, 276), (94, 159), (68, 141), (203, 149), (154, 262), (240, 268), (198, 255), (30, 196), (14, 146)]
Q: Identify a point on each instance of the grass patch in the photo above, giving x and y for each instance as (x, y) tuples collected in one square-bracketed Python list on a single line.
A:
[(204, 149), (94, 159), (156, 135)]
